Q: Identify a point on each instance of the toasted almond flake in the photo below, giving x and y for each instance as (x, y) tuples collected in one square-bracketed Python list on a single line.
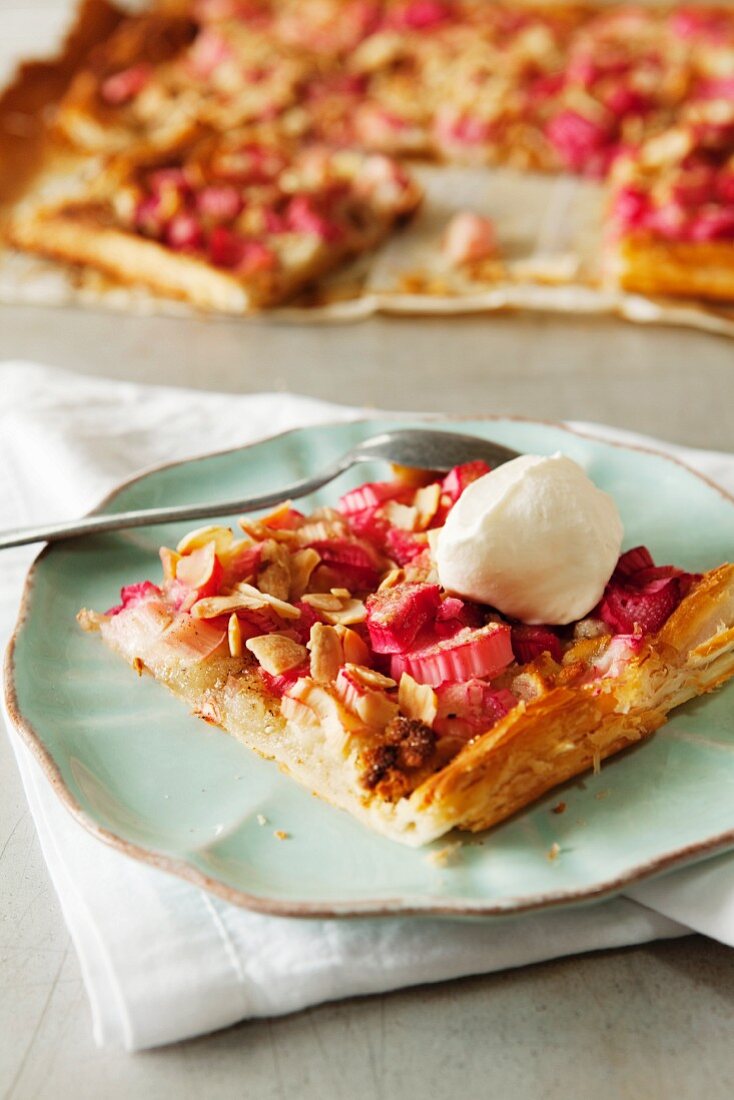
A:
[(274, 575), (302, 565), (169, 561), (418, 701), (222, 538), (234, 636), (376, 709), (354, 648), (326, 653), (276, 514), (342, 593), (264, 599), (447, 855), (350, 613), (275, 653), (391, 579), (400, 515), (323, 601), (258, 532), (213, 606), (554, 851), (90, 620), (370, 678), (281, 834), (426, 502)]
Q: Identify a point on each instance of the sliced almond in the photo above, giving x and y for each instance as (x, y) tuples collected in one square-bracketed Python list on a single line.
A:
[(302, 565), (370, 678), (350, 613), (169, 561), (426, 502), (274, 575), (354, 648), (258, 532), (400, 515), (376, 709), (416, 700), (275, 653), (342, 593), (234, 636), (222, 538), (395, 576), (326, 653), (323, 601), (264, 599)]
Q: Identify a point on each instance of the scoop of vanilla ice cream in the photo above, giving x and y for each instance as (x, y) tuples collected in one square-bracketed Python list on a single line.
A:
[(534, 538)]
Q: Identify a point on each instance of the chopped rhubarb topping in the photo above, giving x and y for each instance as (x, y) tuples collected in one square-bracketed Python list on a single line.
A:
[(303, 217), (122, 87), (396, 615), (403, 546), (632, 561), (453, 128), (229, 249), (468, 238), (468, 654), (208, 51), (422, 14), (280, 684), (468, 708), (222, 202), (356, 561), (370, 495), (131, 595), (579, 141), (453, 614), (641, 595), (529, 642), (183, 233), (456, 480)]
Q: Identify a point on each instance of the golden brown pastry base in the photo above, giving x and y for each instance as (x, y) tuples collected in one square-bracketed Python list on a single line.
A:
[(539, 745), (684, 269)]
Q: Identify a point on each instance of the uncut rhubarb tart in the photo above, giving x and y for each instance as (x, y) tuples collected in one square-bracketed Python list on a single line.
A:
[(327, 644), (229, 223), (671, 223)]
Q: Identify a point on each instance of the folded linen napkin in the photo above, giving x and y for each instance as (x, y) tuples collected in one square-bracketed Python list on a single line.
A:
[(161, 959)]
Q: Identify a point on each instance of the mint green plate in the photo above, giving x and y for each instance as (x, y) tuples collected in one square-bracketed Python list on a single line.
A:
[(138, 771)]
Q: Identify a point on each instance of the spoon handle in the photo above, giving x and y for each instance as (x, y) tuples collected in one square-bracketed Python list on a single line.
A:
[(97, 524)]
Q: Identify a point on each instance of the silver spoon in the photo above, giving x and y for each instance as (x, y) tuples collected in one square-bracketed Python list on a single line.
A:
[(419, 448)]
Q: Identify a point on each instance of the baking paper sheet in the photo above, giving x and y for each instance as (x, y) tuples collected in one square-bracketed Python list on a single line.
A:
[(549, 231)]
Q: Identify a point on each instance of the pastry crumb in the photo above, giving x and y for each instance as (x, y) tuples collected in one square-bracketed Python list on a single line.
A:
[(445, 856), (554, 851), (261, 819), (281, 834), (559, 808)]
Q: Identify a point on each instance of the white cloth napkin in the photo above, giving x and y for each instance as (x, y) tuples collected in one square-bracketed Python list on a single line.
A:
[(161, 959)]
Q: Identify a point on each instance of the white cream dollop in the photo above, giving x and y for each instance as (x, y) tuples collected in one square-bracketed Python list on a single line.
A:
[(534, 538)]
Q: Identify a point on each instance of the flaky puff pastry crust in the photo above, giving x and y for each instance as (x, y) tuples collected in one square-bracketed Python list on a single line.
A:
[(682, 269), (563, 732)]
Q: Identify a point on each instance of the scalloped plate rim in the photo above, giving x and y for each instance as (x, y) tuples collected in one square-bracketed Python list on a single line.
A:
[(386, 907)]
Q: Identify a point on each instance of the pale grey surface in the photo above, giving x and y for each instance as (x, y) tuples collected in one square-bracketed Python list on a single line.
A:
[(648, 1022)]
